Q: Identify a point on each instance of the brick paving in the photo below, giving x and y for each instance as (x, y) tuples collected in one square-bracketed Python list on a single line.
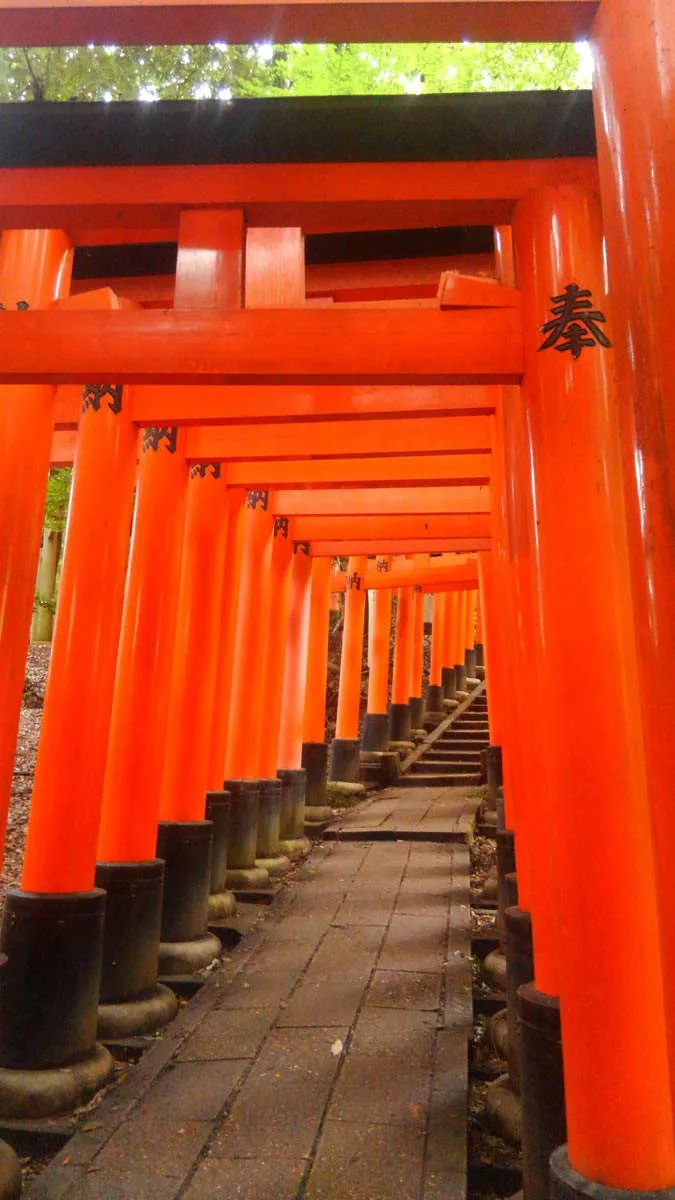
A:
[(411, 813), (326, 1060)]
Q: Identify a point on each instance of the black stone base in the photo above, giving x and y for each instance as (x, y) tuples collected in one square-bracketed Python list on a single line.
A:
[(506, 866), (345, 760), (292, 821), (269, 818), (449, 682), (131, 932), (218, 813), (460, 677), (243, 835), (542, 1087), (399, 723), (185, 847), (435, 698), (519, 970), (375, 732), (480, 654), (49, 983), (492, 765), (568, 1184), (416, 705), (315, 764), (470, 663)]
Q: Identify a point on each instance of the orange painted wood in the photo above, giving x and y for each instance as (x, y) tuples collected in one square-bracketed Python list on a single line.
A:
[(67, 790), (438, 637), (456, 290), (228, 618), (312, 345), (140, 704), (417, 662), (107, 205), (416, 573), (594, 736), (338, 281), (403, 647), (314, 724), (379, 641), (210, 259), (416, 470), (275, 268), (317, 502), (388, 545), (349, 689), (128, 22), (296, 662), (432, 527), (224, 403), (35, 267)]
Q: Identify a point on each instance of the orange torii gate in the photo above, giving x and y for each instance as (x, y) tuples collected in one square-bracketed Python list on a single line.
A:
[(558, 439)]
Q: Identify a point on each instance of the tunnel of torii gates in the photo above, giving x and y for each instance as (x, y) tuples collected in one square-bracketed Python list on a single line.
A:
[(431, 335)]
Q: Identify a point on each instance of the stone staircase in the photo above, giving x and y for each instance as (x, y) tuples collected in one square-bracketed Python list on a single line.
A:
[(451, 755)]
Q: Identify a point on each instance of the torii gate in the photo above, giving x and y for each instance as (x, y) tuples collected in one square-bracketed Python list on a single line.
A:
[(564, 396)]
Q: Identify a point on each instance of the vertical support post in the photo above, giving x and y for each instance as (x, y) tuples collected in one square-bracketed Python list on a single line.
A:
[(209, 274), (569, 400), (458, 633), (435, 688), (345, 751), (416, 700), (399, 709), (375, 736), (51, 998), (35, 269), (470, 635), (633, 45), (314, 749), (294, 696), (131, 1001), (230, 596)]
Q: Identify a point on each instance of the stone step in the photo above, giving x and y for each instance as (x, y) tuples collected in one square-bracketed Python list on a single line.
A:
[(425, 766), (434, 780), (467, 754), (470, 735)]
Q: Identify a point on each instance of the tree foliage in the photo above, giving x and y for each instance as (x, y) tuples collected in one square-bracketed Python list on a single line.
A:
[(58, 495), (218, 70)]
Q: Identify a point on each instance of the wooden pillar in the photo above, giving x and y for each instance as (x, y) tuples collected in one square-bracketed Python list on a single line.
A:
[(399, 709), (633, 44), (228, 616), (375, 736), (34, 270), (345, 750), (291, 731), (246, 696), (277, 566), (435, 689), (417, 659), (619, 1118), (314, 748)]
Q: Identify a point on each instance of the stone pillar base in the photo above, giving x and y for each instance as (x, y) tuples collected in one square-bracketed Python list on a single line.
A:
[(345, 760), (399, 723), (375, 733)]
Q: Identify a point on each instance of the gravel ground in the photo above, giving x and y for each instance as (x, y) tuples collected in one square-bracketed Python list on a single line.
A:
[(24, 765)]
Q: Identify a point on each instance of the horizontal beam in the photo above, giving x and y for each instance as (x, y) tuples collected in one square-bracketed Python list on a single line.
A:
[(273, 346), (460, 576), (385, 528), (334, 439), (412, 470), (319, 549), (223, 403), (104, 205), (357, 502), (134, 23)]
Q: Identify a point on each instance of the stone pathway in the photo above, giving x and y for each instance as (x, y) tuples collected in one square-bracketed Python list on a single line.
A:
[(327, 1060), (426, 814)]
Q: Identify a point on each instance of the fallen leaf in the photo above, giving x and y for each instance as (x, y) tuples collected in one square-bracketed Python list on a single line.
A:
[(337, 1048)]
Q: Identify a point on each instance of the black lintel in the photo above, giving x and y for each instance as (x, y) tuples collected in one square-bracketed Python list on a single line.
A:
[(475, 127)]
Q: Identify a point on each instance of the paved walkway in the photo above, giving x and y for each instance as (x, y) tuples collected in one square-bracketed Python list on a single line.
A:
[(327, 1060), (426, 814)]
